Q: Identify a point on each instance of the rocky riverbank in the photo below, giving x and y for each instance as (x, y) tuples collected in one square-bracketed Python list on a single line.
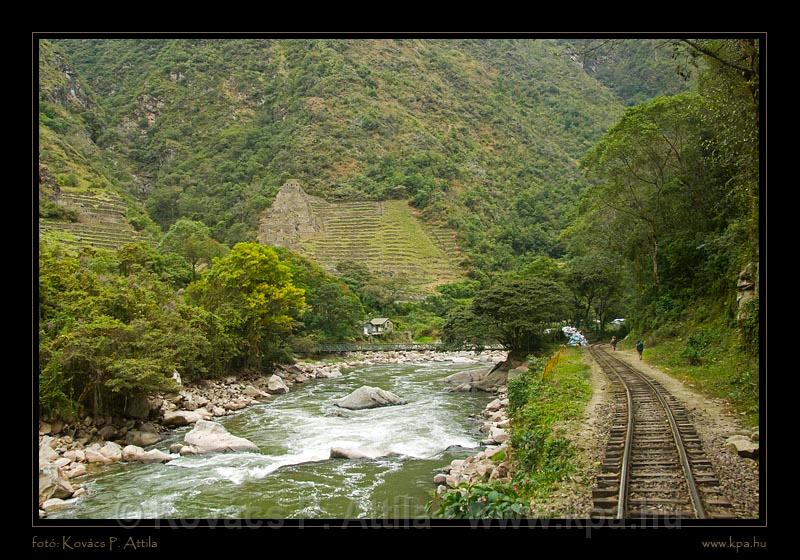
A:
[(70, 450), (490, 464)]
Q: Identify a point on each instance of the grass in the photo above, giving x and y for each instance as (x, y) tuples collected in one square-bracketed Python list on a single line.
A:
[(537, 408), (541, 454), (710, 359), (388, 237)]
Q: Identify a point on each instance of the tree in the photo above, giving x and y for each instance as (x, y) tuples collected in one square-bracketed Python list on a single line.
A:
[(595, 283), (252, 290), (192, 240), (334, 311), (646, 164), (513, 309)]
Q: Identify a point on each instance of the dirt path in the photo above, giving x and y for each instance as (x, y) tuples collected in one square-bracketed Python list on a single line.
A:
[(588, 434), (739, 477)]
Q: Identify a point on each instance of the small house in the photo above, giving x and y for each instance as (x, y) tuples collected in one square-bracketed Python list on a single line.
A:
[(378, 326)]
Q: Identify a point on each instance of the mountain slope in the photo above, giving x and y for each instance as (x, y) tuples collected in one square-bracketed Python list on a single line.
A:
[(483, 135), (82, 188)]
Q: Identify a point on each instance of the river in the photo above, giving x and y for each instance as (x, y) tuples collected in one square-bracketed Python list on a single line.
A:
[(292, 476)]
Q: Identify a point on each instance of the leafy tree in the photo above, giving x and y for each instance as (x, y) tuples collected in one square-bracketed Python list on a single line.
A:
[(334, 311), (252, 290), (595, 283), (192, 240), (646, 164), (513, 309)]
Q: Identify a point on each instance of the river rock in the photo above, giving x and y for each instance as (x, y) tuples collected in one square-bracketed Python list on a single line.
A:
[(175, 448), (368, 397), (135, 453), (238, 405), (93, 455), (342, 453), (328, 373), (742, 446), (252, 392), (75, 455), (112, 451), (53, 483), (141, 438), (440, 478), (276, 386), (184, 417), (210, 437), (55, 504), (46, 454), (61, 462), (75, 469), (493, 406), (44, 428), (107, 432)]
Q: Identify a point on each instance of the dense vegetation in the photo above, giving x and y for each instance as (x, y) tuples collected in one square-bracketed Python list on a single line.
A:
[(114, 325), (489, 142), (498, 142), (674, 200), (554, 390)]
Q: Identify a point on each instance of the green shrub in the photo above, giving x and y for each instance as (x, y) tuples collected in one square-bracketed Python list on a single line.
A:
[(481, 501)]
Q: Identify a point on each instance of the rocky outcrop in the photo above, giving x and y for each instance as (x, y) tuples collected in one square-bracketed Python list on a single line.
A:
[(368, 397), (210, 437)]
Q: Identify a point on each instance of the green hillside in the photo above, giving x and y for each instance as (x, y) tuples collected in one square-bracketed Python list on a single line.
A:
[(482, 136), (84, 190)]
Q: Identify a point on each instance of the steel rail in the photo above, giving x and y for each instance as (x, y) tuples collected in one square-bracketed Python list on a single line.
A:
[(697, 503)]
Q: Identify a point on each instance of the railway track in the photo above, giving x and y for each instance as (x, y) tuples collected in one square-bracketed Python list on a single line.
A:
[(654, 464)]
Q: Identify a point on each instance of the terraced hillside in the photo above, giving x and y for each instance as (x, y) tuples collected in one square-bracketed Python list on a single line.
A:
[(102, 221), (387, 236)]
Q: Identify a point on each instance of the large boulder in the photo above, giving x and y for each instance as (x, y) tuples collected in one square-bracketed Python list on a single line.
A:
[(210, 437), (342, 453), (137, 454), (368, 397), (479, 380), (184, 417), (53, 483), (276, 386), (138, 407), (253, 392), (141, 438), (112, 451), (498, 434), (75, 455), (743, 446), (75, 470), (55, 504), (46, 454), (93, 455)]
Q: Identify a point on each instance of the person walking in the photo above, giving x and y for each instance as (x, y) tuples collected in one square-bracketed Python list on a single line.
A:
[(640, 348), (614, 343)]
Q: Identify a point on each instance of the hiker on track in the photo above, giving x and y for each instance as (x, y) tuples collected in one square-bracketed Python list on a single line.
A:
[(640, 348), (614, 343)]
